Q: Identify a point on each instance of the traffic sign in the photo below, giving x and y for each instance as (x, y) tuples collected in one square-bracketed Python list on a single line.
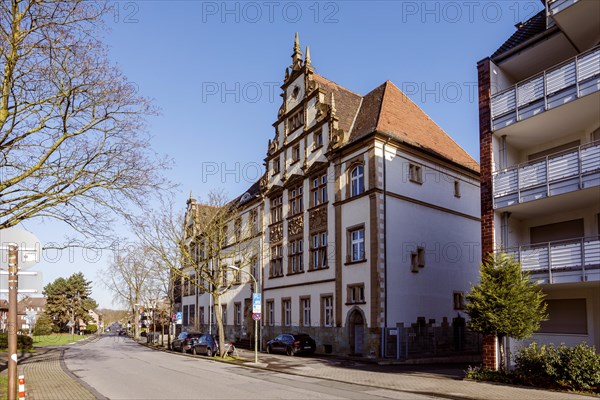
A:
[(179, 318), (256, 316), (30, 249), (256, 300), (29, 282)]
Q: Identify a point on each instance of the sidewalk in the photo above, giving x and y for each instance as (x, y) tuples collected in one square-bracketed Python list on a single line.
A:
[(442, 381), (47, 379), (436, 380)]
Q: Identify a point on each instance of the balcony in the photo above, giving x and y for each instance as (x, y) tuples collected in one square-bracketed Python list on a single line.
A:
[(562, 84), (565, 261), (563, 172), (556, 6), (577, 19)]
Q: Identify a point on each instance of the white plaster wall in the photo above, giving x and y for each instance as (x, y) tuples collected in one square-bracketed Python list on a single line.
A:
[(290, 101), (355, 213), (452, 257), (437, 187), (311, 112), (294, 293), (499, 80)]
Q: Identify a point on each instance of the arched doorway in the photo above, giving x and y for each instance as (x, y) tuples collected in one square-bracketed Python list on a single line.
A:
[(356, 331)]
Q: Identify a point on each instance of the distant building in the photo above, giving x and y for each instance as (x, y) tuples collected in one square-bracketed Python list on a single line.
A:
[(33, 306), (367, 219), (539, 112)]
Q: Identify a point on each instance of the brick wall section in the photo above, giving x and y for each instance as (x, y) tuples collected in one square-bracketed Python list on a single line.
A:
[(490, 352), (485, 150)]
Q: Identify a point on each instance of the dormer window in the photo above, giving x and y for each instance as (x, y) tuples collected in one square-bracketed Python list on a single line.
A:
[(276, 166), (295, 121)]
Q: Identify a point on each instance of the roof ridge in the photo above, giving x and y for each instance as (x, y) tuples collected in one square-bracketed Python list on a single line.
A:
[(381, 106), (433, 121)]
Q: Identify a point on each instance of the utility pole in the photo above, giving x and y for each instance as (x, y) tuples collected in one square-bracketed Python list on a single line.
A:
[(13, 284)]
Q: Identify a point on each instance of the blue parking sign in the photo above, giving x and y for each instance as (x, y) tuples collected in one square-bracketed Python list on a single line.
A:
[(256, 300)]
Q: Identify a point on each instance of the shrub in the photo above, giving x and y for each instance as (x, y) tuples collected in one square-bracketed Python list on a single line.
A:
[(43, 326), (91, 329), (482, 374), (23, 342), (576, 368)]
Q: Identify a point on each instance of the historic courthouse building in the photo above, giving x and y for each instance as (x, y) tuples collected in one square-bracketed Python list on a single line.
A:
[(367, 217)]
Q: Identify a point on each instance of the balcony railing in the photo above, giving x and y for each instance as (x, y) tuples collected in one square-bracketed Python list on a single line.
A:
[(554, 87), (574, 260), (563, 172)]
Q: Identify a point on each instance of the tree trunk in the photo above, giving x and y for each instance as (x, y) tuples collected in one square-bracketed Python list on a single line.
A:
[(220, 328), (502, 363)]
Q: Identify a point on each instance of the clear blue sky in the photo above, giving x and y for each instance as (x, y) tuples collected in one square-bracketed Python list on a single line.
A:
[(183, 54)]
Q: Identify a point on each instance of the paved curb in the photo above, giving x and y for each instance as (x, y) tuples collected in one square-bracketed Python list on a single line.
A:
[(83, 383), (483, 393)]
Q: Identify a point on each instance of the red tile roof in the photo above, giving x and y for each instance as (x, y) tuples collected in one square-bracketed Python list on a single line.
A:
[(387, 110)]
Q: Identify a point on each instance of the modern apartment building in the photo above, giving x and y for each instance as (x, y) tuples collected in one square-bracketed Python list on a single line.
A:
[(368, 218), (539, 105)]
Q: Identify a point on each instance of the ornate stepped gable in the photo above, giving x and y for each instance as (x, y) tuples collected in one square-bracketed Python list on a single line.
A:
[(352, 117)]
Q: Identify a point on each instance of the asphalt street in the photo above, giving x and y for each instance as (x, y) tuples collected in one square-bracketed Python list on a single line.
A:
[(118, 368)]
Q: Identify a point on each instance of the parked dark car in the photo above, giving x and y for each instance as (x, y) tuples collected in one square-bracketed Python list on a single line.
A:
[(209, 345), (292, 344), (183, 342)]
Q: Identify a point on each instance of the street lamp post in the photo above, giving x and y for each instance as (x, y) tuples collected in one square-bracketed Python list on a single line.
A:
[(255, 321)]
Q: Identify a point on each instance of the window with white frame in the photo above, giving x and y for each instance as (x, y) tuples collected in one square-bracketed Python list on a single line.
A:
[(357, 244), (295, 121), (254, 220), (319, 250), (225, 272), (237, 309), (270, 312), (456, 188), (237, 229), (296, 258), (237, 273), (318, 138), (327, 310), (277, 209), (295, 153), (276, 166), (319, 190), (357, 180), (276, 261), (296, 203), (356, 293), (254, 271), (286, 307), (305, 303), (415, 173), (417, 259), (459, 300)]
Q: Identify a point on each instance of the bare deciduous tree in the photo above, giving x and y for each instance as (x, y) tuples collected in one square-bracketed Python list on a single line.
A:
[(129, 277), (202, 247), (72, 145)]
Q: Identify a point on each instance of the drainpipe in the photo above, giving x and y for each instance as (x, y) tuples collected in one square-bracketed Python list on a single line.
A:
[(385, 285), (504, 230), (503, 158)]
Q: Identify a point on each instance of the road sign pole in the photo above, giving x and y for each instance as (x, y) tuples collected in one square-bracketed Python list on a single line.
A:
[(13, 284)]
